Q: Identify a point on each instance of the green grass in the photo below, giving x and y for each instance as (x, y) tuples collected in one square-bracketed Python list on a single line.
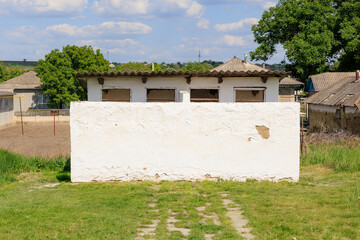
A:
[(324, 204), (12, 164), (339, 156)]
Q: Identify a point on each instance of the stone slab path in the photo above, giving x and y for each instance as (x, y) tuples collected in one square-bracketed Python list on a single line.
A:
[(207, 217), (238, 221)]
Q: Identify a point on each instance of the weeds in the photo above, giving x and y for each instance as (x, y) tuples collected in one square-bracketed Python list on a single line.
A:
[(12, 164), (339, 151)]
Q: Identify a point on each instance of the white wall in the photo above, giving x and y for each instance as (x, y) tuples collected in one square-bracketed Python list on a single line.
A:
[(226, 89), (183, 141), (6, 110)]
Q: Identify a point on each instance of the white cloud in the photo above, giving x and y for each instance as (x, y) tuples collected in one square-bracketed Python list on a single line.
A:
[(235, 26), (26, 34), (43, 7), (268, 5), (103, 29), (120, 8), (203, 23), (108, 42), (231, 41)]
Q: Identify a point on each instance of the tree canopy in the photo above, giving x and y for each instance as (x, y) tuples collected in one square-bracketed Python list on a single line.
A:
[(9, 72), (144, 66), (314, 34), (57, 73)]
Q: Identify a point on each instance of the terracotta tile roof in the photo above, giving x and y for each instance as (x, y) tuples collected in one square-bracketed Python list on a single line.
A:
[(324, 80), (345, 92), (233, 68), (27, 80), (188, 73), (236, 64), (290, 81)]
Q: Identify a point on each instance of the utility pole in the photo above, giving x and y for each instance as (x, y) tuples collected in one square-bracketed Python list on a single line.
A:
[(199, 56)]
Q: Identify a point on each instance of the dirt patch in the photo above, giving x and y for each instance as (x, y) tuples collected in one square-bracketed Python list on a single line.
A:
[(38, 139), (263, 131)]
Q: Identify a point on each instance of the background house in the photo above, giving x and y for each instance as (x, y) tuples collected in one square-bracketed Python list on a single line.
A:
[(322, 81), (28, 88), (337, 107), (288, 89), (233, 81)]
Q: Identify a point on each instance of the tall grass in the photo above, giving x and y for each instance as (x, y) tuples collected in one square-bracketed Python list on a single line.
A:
[(12, 164), (340, 156)]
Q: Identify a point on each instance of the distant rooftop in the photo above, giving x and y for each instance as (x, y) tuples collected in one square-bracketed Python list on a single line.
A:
[(290, 81), (345, 92), (236, 64), (27, 80), (324, 80)]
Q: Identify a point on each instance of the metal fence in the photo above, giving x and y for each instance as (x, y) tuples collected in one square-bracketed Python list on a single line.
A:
[(43, 112), (34, 132), (37, 139)]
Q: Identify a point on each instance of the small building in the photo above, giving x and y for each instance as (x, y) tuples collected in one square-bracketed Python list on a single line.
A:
[(288, 89), (337, 107), (167, 132), (28, 88), (319, 82), (6, 108), (233, 81)]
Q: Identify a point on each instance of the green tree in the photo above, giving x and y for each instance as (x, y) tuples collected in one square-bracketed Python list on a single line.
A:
[(133, 67), (196, 66), (307, 30), (57, 73), (349, 29), (9, 72)]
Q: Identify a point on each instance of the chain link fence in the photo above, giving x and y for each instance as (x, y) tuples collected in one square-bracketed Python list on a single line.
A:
[(44, 133)]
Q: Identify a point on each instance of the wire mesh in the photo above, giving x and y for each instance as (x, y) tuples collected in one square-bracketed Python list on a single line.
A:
[(34, 132), (38, 139)]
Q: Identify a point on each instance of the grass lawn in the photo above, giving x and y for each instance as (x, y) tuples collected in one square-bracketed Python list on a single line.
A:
[(324, 204)]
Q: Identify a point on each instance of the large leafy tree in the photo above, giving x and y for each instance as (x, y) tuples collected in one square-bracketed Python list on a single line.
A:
[(349, 25), (57, 73), (314, 34)]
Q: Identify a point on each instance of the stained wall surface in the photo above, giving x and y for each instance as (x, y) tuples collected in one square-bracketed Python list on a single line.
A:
[(184, 141), (324, 118)]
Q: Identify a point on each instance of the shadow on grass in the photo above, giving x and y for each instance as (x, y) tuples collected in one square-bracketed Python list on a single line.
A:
[(64, 177)]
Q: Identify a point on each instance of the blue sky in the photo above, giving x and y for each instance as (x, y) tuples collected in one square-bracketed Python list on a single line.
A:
[(137, 30)]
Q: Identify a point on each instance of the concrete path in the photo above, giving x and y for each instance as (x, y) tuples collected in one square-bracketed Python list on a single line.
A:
[(234, 213)]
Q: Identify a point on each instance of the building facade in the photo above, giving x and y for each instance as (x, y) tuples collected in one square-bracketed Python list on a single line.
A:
[(234, 81)]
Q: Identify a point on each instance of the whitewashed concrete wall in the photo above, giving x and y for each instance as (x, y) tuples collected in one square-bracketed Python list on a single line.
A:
[(184, 141), (6, 110), (226, 89)]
